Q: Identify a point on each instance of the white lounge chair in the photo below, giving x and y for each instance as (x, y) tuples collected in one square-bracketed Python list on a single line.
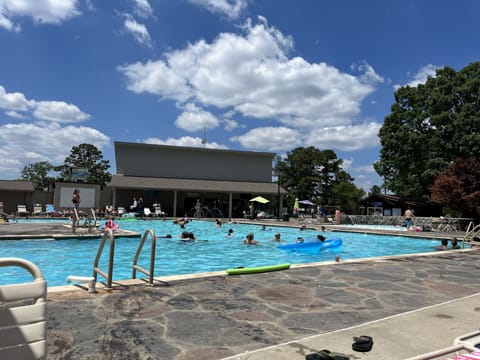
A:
[(37, 210), (159, 212), (23, 324), (147, 212), (22, 210)]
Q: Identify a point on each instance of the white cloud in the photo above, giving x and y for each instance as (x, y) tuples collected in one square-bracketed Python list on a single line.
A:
[(230, 124), (185, 141), (346, 138), (41, 11), (269, 138), (142, 8), (139, 31), (59, 111), (421, 76), (194, 119), (252, 74), (23, 144), (230, 8), (16, 104), (14, 101)]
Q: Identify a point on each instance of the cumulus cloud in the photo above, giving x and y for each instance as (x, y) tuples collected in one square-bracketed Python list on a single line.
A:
[(22, 144), (142, 8), (251, 74), (139, 31), (40, 11), (194, 119), (420, 77), (59, 111), (16, 105), (346, 138), (269, 138), (185, 141), (230, 8), (14, 101)]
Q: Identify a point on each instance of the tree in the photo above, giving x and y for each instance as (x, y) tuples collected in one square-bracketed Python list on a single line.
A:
[(87, 156), (309, 173), (458, 187), (429, 126), (37, 173), (375, 190)]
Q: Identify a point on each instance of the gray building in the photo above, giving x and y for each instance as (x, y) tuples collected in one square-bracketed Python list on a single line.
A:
[(177, 177)]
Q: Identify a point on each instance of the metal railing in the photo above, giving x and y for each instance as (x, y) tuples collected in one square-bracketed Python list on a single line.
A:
[(108, 234), (471, 234), (135, 265)]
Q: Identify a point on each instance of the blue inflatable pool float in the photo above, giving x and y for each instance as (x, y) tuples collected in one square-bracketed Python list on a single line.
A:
[(312, 245)]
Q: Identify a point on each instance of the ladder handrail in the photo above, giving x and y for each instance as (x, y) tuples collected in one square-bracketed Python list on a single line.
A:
[(107, 234), (471, 234), (471, 224), (136, 267)]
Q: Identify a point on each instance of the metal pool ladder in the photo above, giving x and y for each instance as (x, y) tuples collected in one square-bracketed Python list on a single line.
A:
[(135, 265), (108, 234), (471, 233)]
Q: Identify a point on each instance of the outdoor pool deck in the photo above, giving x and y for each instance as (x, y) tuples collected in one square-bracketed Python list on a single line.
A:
[(277, 315)]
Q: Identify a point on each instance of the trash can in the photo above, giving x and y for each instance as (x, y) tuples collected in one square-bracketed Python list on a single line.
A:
[(286, 217)]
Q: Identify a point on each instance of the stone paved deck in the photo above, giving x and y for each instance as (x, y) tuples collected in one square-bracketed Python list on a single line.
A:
[(220, 316)]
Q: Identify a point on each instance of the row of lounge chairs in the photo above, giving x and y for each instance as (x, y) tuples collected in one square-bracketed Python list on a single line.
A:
[(49, 210), (36, 211)]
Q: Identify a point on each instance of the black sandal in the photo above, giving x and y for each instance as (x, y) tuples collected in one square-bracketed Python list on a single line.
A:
[(362, 343)]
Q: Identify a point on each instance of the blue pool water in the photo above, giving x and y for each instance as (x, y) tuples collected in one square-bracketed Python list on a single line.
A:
[(213, 250)]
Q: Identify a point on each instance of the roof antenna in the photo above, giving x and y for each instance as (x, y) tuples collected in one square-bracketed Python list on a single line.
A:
[(204, 140)]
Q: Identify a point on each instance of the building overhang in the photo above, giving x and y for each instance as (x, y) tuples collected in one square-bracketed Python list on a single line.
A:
[(151, 183)]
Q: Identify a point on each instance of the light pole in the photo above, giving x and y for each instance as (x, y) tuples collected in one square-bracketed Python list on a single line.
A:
[(278, 196)]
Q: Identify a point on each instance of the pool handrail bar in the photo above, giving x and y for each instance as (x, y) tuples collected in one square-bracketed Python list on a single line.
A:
[(471, 234), (108, 233), (135, 265)]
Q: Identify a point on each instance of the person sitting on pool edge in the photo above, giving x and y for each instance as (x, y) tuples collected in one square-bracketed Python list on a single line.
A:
[(454, 243), (249, 240)]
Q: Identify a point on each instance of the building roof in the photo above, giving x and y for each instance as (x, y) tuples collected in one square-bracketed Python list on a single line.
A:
[(16, 185), (133, 182), (396, 200), (190, 148)]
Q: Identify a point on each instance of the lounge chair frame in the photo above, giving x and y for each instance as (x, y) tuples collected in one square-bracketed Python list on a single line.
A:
[(23, 324)]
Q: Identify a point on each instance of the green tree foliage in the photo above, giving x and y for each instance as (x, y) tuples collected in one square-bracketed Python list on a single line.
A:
[(87, 156), (375, 190), (429, 126), (37, 173), (458, 187), (309, 173)]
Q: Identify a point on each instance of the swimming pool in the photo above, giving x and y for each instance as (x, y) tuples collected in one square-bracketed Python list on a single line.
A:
[(213, 250)]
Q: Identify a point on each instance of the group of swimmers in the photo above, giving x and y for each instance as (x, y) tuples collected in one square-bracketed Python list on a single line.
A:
[(453, 244)]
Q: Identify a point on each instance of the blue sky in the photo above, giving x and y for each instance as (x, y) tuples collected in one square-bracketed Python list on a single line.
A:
[(256, 75)]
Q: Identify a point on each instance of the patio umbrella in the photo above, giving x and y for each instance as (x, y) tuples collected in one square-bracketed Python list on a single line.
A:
[(306, 202), (260, 200)]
